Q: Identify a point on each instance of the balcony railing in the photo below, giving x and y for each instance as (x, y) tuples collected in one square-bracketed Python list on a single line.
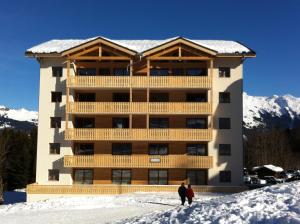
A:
[(139, 108), (115, 134), (138, 161), (204, 82), (122, 189)]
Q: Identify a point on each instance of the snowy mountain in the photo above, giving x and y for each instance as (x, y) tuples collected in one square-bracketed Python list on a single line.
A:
[(17, 118), (266, 112)]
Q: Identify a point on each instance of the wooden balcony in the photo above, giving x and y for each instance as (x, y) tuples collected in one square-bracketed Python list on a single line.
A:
[(115, 134), (138, 161), (139, 108), (122, 189), (204, 82)]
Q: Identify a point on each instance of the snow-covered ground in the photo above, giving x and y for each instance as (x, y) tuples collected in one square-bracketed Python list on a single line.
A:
[(90, 210), (277, 204)]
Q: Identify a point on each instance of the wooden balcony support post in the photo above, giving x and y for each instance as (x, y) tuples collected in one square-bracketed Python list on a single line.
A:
[(211, 69), (67, 94), (148, 92), (130, 91)]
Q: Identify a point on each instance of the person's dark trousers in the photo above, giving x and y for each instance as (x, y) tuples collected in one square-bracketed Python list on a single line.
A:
[(182, 200), (190, 200)]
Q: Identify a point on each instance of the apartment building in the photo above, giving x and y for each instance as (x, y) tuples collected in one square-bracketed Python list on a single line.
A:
[(118, 116)]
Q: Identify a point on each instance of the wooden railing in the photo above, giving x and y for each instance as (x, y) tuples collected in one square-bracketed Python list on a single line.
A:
[(139, 108), (138, 161), (115, 134), (204, 82), (121, 189)]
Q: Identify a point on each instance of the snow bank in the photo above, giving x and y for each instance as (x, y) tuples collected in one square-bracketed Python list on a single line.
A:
[(19, 114), (273, 204)]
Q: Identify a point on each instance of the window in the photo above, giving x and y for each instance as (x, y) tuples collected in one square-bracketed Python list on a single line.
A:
[(197, 177), (196, 149), (121, 176), (159, 97), (196, 97), (224, 149), (86, 97), (224, 97), (56, 97), (120, 122), (159, 72), (158, 149), (121, 148), (104, 71), (83, 176), (84, 122), (55, 122), (121, 97), (224, 72), (54, 148), (196, 72), (178, 72), (224, 123), (158, 177), (159, 123), (84, 149), (121, 72), (57, 71), (86, 71), (197, 123), (53, 175), (225, 176)]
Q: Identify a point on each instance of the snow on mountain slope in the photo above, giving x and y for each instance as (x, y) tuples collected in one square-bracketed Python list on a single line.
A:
[(17, 117), (271, 111)]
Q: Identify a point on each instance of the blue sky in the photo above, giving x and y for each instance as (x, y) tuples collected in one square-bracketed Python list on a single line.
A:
[(271, 28)]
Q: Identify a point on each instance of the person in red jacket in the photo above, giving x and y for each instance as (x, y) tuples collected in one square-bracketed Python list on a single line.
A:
[(190, 194)]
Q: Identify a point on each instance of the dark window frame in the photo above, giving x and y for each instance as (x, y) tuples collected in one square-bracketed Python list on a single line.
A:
[(225, 176), (54, 176), (159, 124), (54, 148), (224, 97), (159, 97), (197, 153), (121, 97), (74, 176), (56, 97), (124, 123), (203, 71), (128, 152), (226, 151), (159, 151), (195, 127), (158, 178), (123, 72), (224, 123), (78, 151), (104, 71), (121, 178), (224, 72), (85, 122), (85, 97), (195, 170), (195, 97), (57, 71), (88, 71), (55, 122), (159, 72)]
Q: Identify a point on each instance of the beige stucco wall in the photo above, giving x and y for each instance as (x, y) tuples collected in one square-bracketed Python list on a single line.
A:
[(234, 111), (46, 134)]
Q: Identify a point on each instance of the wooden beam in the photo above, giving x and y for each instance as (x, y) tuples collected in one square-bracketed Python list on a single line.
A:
[(211, 66), (131, 67), (100, 58), (179, 51), (85, 51), (67, 94), (194, 58), (165, 51), (100, 50)]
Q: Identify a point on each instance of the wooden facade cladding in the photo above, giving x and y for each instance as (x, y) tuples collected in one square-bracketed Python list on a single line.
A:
[(114, 134), (139, 108), (138, 161), (204, 82), (122, 189)]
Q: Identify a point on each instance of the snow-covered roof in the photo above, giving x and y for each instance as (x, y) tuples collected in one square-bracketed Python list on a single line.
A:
[(276, 169), (139, 46)]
